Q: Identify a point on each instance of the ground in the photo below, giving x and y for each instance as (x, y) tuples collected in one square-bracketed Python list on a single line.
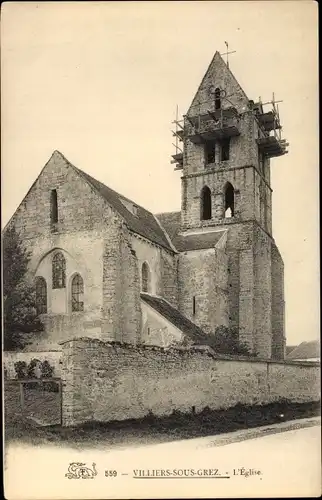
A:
[(288, 462)]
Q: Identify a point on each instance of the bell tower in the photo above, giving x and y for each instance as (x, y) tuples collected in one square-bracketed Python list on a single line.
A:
[(226, 144)]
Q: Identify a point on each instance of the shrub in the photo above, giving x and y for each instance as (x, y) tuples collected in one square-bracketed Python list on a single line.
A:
[(31, 368), (226, 341), (31, 373), (47, 371), (20, 318), (21, 369)]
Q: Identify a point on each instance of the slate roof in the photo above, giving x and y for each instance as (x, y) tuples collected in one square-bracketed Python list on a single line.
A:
[(170, 221), (143, 222), (306, 350), (196, 334)]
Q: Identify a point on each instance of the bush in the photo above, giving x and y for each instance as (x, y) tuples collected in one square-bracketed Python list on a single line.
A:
[(47, 371), (31, 373), (31, 368), (21, 369), (226, 341)]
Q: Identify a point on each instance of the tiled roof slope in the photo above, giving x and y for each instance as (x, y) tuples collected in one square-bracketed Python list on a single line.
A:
[(143, 223), (170, 221), (306, 350), (196, 334)]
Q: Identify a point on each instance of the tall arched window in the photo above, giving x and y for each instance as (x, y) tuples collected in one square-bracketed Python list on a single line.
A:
[(41, 295), (77, 293), (59, 270), (205, 204), (217, 98), (229, 193), (53, 206), (146, 277)]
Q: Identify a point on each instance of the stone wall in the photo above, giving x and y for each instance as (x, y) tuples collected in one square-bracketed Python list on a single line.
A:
[(156, 330), (78, 234), (162, 265), (105, 381), (278, 304), (121, 287), (203, 276)]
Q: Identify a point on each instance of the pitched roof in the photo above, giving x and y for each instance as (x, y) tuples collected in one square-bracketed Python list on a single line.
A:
[(142, 222), (171, 223), (216, 61), (306, 350), (188, 328)]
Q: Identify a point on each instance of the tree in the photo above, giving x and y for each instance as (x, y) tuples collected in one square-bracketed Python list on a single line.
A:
[(19, 300), (226, 341)]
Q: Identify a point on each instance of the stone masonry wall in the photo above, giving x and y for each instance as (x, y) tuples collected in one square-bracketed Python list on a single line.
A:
[(262, 312), (203, 275), (121, 287), (82, 215), (278, 304), (169, 274), (104, 382)]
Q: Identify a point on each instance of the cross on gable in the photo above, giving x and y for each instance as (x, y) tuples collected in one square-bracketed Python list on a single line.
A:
[(227, 53)]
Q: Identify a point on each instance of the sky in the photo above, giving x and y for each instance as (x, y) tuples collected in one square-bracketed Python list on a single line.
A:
[(100, 82)]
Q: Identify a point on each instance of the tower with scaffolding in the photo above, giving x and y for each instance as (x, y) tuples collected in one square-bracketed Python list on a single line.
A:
[(224, 145), (222, 122)]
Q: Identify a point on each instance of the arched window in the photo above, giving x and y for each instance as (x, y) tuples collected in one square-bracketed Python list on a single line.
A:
[(59, 270), (53, 206), (41, 295), (205, 204), (229, 193), (217, 98), (77, 293), (146, 277)]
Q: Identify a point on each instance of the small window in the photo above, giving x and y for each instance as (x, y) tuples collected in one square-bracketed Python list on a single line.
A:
[(210, 152), (217, 98), (77, 293), (41, 295), (205, 204), (261, 161), (53, 207), (146, 278), (193, 305), (229, 200), (59, 270), (225, 149)]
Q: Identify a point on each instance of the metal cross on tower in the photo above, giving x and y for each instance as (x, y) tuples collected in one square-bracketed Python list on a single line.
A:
[(227, 53)]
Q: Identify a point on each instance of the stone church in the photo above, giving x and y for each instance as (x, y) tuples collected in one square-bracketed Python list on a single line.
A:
[(105, 267)]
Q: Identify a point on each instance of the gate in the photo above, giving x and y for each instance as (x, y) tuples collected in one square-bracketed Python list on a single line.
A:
[(34, 399)]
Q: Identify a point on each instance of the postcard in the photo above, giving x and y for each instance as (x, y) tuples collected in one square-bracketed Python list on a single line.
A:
[(160, 250)]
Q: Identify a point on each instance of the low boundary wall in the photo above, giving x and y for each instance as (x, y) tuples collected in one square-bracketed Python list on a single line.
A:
[(109, 381)]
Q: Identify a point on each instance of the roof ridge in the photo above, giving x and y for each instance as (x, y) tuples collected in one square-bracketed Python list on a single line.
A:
[(113, 190), (166, 234), (166, 213)]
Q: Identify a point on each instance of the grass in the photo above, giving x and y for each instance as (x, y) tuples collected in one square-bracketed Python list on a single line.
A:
[(39, 404), (148, 430)]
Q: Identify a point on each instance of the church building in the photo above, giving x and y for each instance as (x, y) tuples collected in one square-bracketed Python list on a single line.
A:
[(107, 268)]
